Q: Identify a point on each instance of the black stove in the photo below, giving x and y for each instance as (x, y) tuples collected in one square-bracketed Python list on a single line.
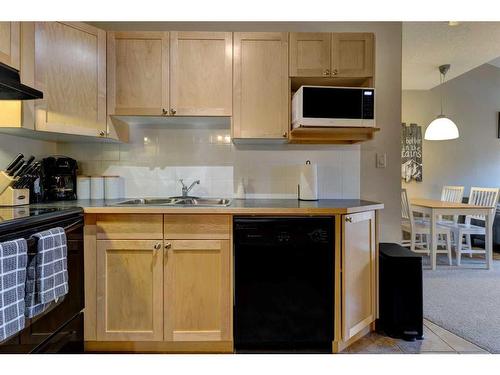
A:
[(19, 217), (59, 329)]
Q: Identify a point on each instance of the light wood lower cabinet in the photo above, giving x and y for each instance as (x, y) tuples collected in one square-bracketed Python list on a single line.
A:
[(130, 290), (172, 290), (198, 290), (359, 278)]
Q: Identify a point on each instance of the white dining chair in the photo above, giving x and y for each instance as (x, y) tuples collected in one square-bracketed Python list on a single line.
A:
[(419, 231), (451, 194), (487, 197)]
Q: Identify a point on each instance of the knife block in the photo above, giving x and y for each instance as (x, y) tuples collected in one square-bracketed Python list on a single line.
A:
[(14, 197), (5, 181)]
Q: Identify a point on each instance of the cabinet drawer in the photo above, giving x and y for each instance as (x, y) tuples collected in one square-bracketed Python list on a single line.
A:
[(126, 226), (205, 227)]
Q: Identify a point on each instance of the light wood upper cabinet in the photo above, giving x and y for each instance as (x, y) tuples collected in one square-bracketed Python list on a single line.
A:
[(348, 55), (138, 73), (70, 69), (352, 54), (10, 43), (198, 290), (130, 290), (310, 54), (260, 86), (359, 292), (201, 73)]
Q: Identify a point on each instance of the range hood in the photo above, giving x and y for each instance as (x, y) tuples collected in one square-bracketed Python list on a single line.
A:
[(11, 87)]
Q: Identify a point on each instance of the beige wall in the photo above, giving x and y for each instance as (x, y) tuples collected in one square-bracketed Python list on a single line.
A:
[(10, 146), (472, 101)]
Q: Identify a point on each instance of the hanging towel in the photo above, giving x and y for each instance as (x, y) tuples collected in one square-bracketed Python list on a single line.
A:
[(13, 261), (47, 278)]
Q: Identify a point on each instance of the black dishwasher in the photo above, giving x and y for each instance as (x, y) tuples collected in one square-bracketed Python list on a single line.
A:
[(284, 284)]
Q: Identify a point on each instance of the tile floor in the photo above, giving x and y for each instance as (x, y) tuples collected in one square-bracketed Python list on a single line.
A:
[(436, 340)]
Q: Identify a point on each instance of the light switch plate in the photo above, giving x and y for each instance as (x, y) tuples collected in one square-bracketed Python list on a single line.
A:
[(381, 160)]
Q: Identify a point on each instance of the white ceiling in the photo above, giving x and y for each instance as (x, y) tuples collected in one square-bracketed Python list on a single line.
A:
[(426, 45)]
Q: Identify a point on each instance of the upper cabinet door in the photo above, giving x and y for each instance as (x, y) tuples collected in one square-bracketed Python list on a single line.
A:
[(138, 73), (70, 69), (352, 54), (260, 86), (9, 43), (310, 54), (201, 73)]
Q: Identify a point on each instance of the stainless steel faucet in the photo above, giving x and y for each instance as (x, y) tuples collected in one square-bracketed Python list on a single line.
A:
[(185, 189)]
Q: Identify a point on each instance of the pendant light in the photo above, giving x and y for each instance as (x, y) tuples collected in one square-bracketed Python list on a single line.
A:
[(441, 128)]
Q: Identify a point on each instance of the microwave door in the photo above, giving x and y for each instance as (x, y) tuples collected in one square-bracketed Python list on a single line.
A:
[(323, 106)]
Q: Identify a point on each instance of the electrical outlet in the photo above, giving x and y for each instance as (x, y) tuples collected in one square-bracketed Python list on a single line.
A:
[(381, 160)]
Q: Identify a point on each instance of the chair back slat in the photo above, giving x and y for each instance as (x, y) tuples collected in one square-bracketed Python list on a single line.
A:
[(406, 212), (485, 197), (452, 194)]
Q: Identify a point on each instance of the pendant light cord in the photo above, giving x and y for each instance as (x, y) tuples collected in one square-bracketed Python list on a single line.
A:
[(441, 78)]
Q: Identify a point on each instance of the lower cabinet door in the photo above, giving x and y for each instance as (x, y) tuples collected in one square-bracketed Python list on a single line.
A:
[(358, 273), (198, 290), (130, 290)]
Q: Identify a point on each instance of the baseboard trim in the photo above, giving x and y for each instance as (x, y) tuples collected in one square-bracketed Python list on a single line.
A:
[(158, 347), (338, 346)]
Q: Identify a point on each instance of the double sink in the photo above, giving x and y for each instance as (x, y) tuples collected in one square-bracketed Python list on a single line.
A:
[(176, 201)]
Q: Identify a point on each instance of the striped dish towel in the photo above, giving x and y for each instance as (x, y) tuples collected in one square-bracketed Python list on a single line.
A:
[(13, 261), (47, 278)]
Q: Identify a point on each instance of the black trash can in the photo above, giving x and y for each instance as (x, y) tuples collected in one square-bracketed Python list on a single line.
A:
[(400, 292)]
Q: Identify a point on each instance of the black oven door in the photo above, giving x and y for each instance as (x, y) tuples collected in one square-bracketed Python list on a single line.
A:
[(60, 325)]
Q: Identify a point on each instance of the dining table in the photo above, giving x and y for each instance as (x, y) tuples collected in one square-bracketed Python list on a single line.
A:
[(435, 208)]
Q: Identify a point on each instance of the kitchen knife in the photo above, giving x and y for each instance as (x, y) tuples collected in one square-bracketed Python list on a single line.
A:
[(25, 166), (16, 167), (31, 178), (14, 162), (26, 175)]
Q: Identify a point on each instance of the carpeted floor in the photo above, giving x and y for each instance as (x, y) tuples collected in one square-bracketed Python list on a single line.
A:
[(465, 300)]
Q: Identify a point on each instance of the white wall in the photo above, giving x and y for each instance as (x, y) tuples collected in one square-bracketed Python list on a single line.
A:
[(473, 102), (10, 146), (155, 159)]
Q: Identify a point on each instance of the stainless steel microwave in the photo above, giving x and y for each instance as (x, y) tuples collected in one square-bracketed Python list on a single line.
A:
[(331, 106)]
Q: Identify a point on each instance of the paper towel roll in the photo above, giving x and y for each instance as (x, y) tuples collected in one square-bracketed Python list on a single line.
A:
[(308, 185)]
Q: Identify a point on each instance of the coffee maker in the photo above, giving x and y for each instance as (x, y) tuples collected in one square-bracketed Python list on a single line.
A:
[(58, 179)]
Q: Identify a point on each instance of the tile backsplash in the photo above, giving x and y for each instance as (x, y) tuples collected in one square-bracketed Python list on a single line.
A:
[(156, 158)]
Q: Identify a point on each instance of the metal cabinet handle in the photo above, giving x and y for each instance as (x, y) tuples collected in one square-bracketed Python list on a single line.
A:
[(164, 112), (326, 72), (285, 134), (348, 219), (102, 133), (157, 246), (335, 72), (168, 245), (172, 111)]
